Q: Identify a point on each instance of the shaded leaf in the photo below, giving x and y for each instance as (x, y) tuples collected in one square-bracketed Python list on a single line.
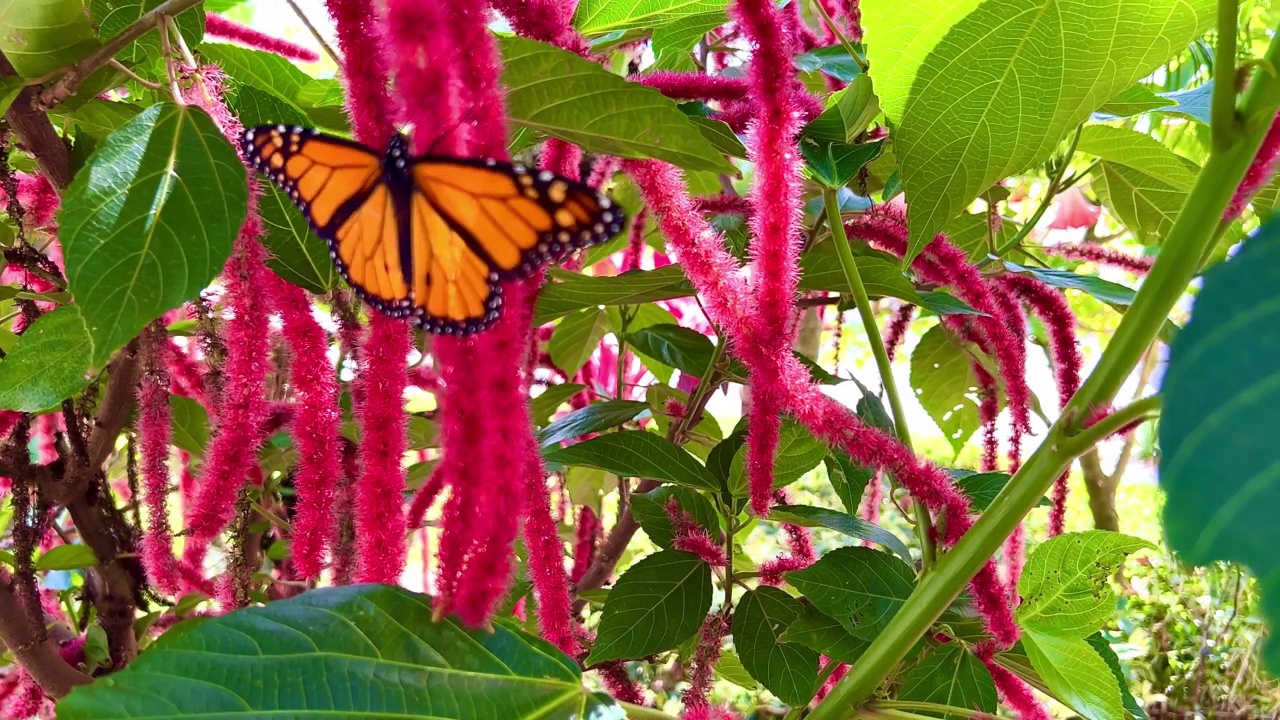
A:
[(798, 452), (834, 164), (843, 523), (650, 509), (1103, 648), (982, 488), (575, 291), (595, 417), (1104, 290), (950, 675), (576, 337), (849, 111), (52, 361), (1134, 100), (788, 670), (296, 255), (150, 221), (833, 60), (557, 93), (552, 397), (861, 588), (848, 478), (636, 453), (822, 633), (112, 17), (376, 642), (657, 603)]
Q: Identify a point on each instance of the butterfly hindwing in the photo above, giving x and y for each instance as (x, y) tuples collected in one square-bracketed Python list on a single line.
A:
[(517, 219)]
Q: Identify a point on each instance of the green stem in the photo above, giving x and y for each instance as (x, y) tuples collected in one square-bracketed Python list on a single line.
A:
[(1193, 231), (1055, 186), (1224, 117), (1137, 410), (863, 302), (835, 29), (925, 707)]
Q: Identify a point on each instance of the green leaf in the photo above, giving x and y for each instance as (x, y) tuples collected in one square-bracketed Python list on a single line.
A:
[(1043, 67), (99, 117), (657, 604), (650, 509), (822, 633), (843, 523), (730, 668), (52, 361), (551, 398), (834, 164), (295, 254), (1065, 586), (266, 72), (596, 17), (834, 60), (10, 87), (190, 424), (941, 303), (354, 651), (557, 93), (576, 337), (1073, 670), (1195, 103), (67, 557), (944, 383), (821, 270), (1143, 182), (720, 459), (112, 17), (788, 670), (595, 417), (1104, 290), (982, 488), (849, 111), (798, 453), (150, 221), (848, 478), (950, 675), (1134, 100), (42, 36), (1103, 648), (972, 233), (255, 106), (686, 350), (636, 453), (861, 588), (575, 291), (721, 136)]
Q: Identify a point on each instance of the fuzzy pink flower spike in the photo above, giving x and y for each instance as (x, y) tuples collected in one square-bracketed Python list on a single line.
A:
[(775, 226), (315, 426), (365, 70), (155, 433), (1102, 256), (1259, 173), (705, 657), (219, 27)]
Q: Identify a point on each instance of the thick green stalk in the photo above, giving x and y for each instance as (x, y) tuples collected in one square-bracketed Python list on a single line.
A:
[(863, 302), (1176, 265)]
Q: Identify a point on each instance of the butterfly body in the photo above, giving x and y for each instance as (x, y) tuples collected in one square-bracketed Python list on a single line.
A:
[(429, 236)]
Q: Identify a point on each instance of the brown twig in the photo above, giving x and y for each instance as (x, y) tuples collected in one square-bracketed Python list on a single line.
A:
[(67, 85), (39, 658)]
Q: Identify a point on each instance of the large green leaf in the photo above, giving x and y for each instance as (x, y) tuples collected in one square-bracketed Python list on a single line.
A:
[(843, 523), (1065, 586), (821, 270), (296, 254), (112, 17), (1042, 67), (592, 418), (1139, 179), (51, 362), (343, 652), (686, 350), (555, 92), (861, 588), (950, 675), (636, 453), (849, 111), (576, 338), (1218, 462), (596, 17), (787, 669), (657, 604), (575, 291), (42, 36), (650, 509), (278, 86), (944, 383), (150, 221), (797, 453), (823, 633), (552, 397), (1075, 673), (1103, 648)]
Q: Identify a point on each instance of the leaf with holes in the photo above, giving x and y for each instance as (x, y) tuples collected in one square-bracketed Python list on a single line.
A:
[(52, 361), (1043, 66), (150, 221), (575, 338), (788, 670), (861, 588), (595, 417), (943, 380), (557, 93), (636, 453), (657, 604), (1065, 586), (377, 643)]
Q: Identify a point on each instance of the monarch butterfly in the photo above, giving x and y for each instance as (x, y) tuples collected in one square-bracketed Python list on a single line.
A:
[(429, 236)]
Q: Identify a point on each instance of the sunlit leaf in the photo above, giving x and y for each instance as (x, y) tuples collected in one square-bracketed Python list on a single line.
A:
[(52, 361)]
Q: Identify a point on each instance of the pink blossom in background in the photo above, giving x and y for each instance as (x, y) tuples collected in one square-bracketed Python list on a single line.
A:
[(1258, 174), (155, 434), (587, 532), (705, 657), (219, 27), (695, 86), (896, 331), (691, 537), (1072, 210), (1102, 256)]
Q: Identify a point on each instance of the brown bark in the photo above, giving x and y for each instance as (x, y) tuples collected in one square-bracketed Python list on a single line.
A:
[(1102, 492)]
